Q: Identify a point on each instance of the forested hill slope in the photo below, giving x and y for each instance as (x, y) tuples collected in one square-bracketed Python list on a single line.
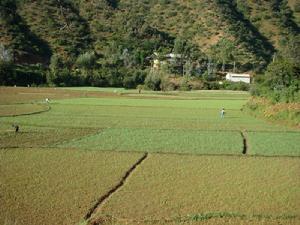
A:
[(39, 29)]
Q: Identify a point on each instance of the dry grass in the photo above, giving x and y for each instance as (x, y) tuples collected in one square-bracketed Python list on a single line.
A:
[(181, 187), (54, 186), (9, 95)]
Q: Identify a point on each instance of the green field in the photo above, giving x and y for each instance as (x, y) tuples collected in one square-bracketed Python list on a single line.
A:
[(159, 140), (63, 160), (274, 143)]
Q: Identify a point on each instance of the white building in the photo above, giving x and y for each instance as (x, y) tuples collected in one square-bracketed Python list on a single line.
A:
[(236, 77), (168, 58)]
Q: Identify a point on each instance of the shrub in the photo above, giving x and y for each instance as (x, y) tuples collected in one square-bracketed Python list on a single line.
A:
[(133, 77), (153, 80), (197, 85), (184, 85), (236, 86)]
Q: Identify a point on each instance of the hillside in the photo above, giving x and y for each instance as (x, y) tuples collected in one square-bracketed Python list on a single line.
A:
[(71, 27), (256, 28)]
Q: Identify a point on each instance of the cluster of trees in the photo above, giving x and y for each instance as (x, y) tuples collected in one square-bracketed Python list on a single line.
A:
[(114, 47), (281, 80)]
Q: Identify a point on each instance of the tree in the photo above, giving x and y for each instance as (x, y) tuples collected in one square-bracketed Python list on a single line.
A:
[(153, 80), (5, 54), (87, 62), (283, 77), (7, 73), (291, 49), (223, 51), (188, 68), (126, 57), (56, 66)]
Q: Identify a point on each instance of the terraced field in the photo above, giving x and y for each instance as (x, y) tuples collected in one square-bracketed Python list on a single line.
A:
[(112, 156), (191, 187), (55, 186)]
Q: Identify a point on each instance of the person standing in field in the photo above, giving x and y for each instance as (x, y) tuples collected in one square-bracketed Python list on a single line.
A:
[(222, 113), (16, 126)]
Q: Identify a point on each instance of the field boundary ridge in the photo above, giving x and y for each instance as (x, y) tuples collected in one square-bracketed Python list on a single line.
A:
[(122, 181), (48, 108), (245, 142), (110, 219)]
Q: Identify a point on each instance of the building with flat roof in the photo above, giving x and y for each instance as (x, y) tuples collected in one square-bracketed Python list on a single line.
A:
[(239, 77)]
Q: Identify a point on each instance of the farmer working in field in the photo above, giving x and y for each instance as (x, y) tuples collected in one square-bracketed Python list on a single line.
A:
[(16, 127), (222, 113)]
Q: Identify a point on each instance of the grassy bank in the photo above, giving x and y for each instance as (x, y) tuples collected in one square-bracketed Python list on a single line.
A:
[(284, 113)]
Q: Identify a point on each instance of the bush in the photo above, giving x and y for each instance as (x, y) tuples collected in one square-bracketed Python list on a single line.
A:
[(153, 81), (22, 75), (132, 78), (236, 86), (97, 80), (184, 85), (197, 85), (30, 75)]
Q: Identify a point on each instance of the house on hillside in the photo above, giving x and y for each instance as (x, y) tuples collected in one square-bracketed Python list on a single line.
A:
[(238, 77), (166, 59)]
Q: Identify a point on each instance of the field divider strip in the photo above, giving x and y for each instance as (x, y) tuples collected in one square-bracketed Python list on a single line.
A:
[(32, 113), (200, 217), (157, 153), (121, 183), (245, 143)]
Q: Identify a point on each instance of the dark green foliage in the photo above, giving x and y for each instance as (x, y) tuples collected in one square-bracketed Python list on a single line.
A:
[(133, 78), (235, 86), (113, 3), (7, 73), (30, 75), (60, 24), (281, 82), (26, 46), (285, 14), (112, 42), (153, 81), (22, 75), (246, 34), (184, 85), (87, 62), (59, 73)]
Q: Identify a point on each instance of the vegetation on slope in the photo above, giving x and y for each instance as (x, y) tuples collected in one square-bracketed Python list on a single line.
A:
[(19, 38), (114, 43)]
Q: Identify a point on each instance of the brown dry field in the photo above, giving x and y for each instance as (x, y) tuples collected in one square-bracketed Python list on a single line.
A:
[(22, 109), (9, 95), (55, 186), (172, 188), (41, 136), (43, 184)]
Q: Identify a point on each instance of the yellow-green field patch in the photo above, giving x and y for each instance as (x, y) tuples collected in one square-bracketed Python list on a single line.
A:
[(160, 140), (55, 186), (274, 143)]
